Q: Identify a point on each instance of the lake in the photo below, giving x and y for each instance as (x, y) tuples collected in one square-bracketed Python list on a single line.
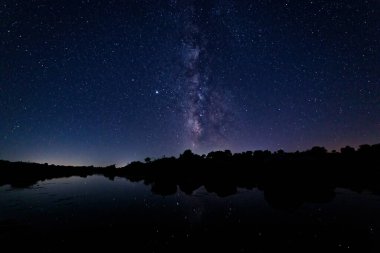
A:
[(96, 213)]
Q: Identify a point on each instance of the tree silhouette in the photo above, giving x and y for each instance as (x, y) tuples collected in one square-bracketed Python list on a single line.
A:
[(304, 175), (347, 150)]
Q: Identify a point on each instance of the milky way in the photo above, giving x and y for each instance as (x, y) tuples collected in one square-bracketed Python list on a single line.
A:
[(103, 82), (205, 107)]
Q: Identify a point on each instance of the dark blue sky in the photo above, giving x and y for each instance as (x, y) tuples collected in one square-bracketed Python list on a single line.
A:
[(101, 82)]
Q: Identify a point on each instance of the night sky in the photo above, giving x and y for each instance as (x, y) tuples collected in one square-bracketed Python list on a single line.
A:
[(104, 82)]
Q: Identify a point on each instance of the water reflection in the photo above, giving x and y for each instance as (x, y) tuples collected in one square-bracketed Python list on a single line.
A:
[(96, 212)]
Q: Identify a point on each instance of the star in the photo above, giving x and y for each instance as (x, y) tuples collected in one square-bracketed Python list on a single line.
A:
[(230, 79)]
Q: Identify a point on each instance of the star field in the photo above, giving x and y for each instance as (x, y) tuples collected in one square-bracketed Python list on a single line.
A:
[(101, 82)]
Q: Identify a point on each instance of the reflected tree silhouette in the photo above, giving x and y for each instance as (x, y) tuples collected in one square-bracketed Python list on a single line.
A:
[(287, 179)]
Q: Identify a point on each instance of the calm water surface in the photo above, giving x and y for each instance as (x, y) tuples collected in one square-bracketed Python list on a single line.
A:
[(96, 212)]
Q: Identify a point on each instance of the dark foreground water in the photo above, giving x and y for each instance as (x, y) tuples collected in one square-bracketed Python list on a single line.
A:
[(96, 213)]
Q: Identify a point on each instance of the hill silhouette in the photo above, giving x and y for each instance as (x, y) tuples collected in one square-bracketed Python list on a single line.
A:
[(287, 179)]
